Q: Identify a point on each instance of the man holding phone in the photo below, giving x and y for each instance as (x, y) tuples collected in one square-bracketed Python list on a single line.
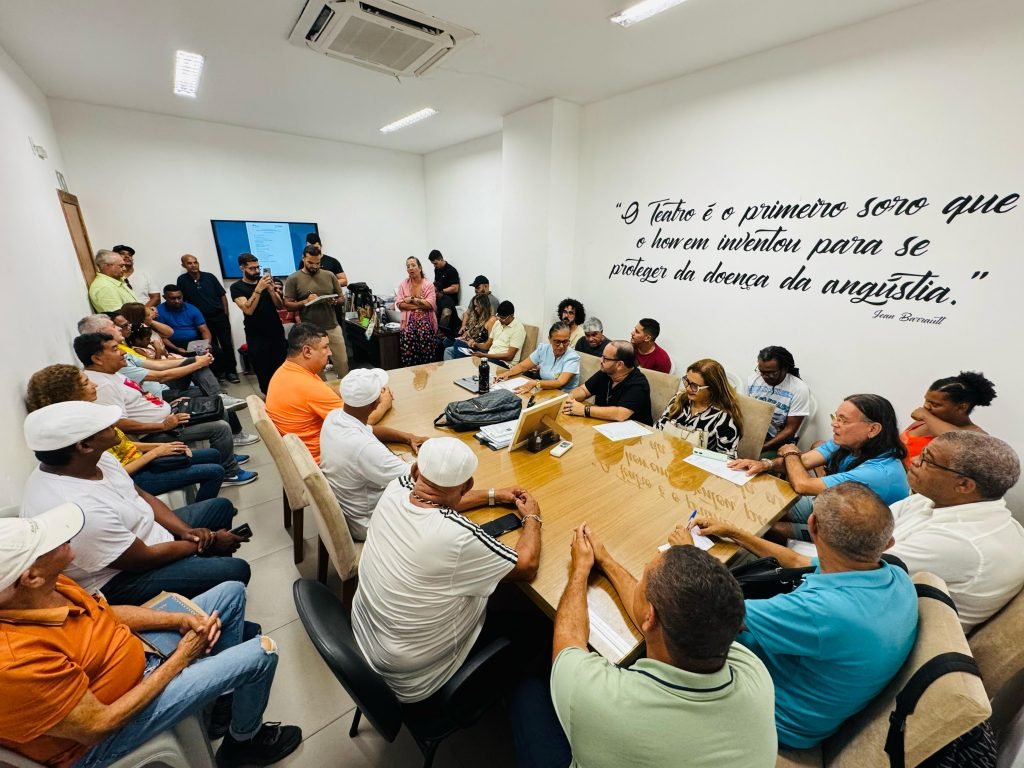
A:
[(259, 298)]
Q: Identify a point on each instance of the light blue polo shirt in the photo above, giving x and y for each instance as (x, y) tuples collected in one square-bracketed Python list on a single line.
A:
[(552, 367), (831, 645), (885, 475)]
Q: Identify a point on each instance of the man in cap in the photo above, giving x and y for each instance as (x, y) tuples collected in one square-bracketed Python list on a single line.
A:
[(426, 571), (142, 285), (80, 688), (353, 457), (298, 400), (482, 286), (133, 546)]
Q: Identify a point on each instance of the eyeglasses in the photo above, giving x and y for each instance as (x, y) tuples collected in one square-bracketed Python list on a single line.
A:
[(843, 421), (924, 458), (692, 386), (768, 374), (609, 359), (559, 342)]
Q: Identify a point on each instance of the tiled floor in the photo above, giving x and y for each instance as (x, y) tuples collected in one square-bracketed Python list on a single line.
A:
[(305, 692)]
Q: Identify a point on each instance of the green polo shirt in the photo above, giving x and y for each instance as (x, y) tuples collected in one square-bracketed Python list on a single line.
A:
[(653, 714), (301, 284), (108, 293)]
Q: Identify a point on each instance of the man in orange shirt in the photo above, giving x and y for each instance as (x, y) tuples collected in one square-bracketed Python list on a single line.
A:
[(298, 400), (79, 688)]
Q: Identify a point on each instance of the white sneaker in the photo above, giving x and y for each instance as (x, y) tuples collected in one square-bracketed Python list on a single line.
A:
[(245, 438), (232, 403)]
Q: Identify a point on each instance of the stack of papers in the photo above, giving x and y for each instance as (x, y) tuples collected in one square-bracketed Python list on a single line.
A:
[(716, 467), (498, 435)]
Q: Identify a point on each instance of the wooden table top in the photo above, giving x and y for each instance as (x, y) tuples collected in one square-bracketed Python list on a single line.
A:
[(632, 493)]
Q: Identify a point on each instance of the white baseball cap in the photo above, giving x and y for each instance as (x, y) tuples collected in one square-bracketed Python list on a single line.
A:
[(362, 386), (447, 462), (22, 540), (62, 424)]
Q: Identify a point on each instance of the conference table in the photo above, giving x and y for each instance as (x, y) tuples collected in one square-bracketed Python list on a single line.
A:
[(631, 493)]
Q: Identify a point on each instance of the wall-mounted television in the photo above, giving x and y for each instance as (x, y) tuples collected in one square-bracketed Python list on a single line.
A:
[(277, 244)]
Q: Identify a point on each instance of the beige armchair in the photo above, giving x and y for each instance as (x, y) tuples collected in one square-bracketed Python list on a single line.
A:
[(293, 493), (334, 533), (530, 343), (757, 415)]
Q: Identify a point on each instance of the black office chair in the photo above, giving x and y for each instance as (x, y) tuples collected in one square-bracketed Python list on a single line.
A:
[(459, 703)]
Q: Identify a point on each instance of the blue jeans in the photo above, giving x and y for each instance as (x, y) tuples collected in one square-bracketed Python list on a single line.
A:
[(246, 668), (458, 349), (204, 470), (189, 576)]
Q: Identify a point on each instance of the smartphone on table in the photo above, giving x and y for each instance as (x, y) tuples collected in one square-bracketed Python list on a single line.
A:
[(502, 525)]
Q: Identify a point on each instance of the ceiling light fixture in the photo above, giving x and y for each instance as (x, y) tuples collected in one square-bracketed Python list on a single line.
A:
[(188, 68), (408, 120), (642, 10)]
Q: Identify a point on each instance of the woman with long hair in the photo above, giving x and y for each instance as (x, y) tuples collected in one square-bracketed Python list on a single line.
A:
[(476, 328), (705, 401), (155, 467), (865, 447), (948, 404), (416, 299)]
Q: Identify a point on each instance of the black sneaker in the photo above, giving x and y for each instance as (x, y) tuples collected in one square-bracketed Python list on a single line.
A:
[(273, 742), (233, 378)]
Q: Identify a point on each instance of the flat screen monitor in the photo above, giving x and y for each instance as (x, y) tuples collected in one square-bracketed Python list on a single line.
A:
[(277, 244)]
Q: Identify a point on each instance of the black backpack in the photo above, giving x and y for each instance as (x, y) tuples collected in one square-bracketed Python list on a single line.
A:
[(491, 408)]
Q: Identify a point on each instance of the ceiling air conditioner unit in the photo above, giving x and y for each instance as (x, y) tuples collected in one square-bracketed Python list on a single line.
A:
[(381, 35)]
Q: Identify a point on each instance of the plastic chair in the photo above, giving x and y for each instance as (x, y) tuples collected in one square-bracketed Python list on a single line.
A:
[(459, 703), (337, 540), (736, 383), (183, 746), (293, 492)]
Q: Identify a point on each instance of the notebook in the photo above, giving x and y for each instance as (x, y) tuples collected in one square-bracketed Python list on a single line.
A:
[(163, 642)]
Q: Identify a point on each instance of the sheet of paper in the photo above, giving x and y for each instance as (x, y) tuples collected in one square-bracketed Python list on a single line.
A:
[(805, 548), (699, 540), (510, 384), (719, 469), (622, 430)]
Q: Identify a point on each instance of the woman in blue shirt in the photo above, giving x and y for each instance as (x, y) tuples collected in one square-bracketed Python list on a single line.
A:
[(865, 447), (557, 364)]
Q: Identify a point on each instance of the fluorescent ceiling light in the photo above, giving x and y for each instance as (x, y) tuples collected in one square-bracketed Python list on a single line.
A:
[(188, 67), (642, 10), (408, 120)]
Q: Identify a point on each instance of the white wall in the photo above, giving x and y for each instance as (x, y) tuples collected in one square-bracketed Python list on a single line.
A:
[(44, 289), (463, 199), (154, 182), (921, 102)]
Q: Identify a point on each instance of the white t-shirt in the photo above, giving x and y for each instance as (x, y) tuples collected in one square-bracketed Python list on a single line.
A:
[(792, 397), (424, 578), (358, 467), (115, 515), (143, 285), (117, 389), (977, 549)]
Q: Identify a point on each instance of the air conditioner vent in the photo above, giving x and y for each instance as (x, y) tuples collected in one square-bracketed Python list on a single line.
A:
[(384, 36)]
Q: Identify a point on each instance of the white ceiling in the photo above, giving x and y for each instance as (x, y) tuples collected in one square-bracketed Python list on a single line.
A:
[(120, 53)]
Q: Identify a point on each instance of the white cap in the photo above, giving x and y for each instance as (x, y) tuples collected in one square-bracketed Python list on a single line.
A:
[(62, 424), (22, 540), (362, 386), (447, 462)]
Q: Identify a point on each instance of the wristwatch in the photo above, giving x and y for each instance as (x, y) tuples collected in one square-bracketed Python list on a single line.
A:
[(490, 497)]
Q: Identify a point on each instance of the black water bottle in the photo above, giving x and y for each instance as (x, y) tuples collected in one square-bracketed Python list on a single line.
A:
[(483, 377)]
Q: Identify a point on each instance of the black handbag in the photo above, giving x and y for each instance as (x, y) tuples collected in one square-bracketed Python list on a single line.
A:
[(765, 577), (201, 409), (491, 408)]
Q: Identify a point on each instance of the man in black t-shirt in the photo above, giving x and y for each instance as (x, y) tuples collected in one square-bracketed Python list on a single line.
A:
[(594, 341), (446, 287), (259, 298), (205, 292), (620, 389)]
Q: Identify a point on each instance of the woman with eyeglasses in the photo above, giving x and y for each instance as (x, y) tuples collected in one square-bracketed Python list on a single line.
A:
[(865, 447), (557, 364), (947, 408), (706, 402)]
